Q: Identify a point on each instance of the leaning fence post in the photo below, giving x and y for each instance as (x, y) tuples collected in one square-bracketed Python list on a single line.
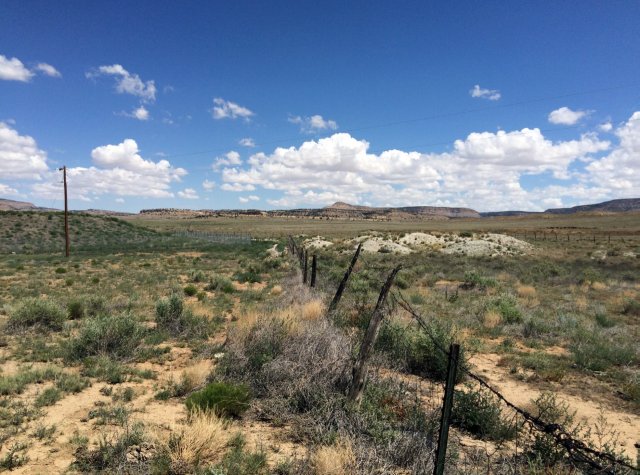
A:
[(452, 369), (314, 268), (343, 282), (360, 366)]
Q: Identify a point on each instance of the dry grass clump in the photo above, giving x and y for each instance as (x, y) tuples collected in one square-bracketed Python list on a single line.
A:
[(491, 318), (580, 303), (195, 376), (338, 459), (526, 291), (276, 290), (203, 441), (599, 286), (312, 310)]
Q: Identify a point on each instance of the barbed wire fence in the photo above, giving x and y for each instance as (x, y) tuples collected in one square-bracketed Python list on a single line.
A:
[(576, 453)]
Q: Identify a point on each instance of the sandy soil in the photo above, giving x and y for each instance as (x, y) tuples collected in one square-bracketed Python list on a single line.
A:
[(521, 393)]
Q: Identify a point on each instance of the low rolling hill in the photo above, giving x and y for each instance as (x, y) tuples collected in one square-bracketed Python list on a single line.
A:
[(39, 231)]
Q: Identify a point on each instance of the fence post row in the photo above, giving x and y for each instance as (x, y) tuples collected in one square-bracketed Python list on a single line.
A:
[(360, 366), (445, 420)]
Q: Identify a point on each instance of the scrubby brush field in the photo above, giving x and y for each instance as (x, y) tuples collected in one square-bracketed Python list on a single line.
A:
[(191, 357)]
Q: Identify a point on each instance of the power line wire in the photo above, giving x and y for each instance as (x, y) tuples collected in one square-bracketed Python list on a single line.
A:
[(430, 117)]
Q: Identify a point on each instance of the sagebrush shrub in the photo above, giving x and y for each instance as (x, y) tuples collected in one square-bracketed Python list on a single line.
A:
[(116, 336), (190, 290), (37, 312), (76, 309), (478, 413), (225, 399), (172, 317), (418, 351)]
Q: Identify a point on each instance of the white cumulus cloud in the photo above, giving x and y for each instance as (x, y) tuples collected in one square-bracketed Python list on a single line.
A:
[(126, 82), (247, 142), (566, 116), (48, 70), (13, 70), (208, 185), (313, 124), (140, 113), (189, 194), (20, 156), (237, 187), (484, 169), (119, 170), (229, 159), (482, 93), (620, 170), (6, 190), (246, 199), (229, 110)]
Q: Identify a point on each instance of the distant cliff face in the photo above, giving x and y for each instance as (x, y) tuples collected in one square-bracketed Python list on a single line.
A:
[(613, 206)]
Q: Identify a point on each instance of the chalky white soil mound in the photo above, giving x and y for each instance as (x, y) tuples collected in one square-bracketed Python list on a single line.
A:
[(488, 245), (421, 239), (317, 243), (379, 244)]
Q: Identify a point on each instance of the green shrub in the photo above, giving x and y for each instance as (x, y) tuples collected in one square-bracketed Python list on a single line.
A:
[(61, 270), (473, 279), (48, 397), (72, 383), (225, 399), (116, 336), (95, 305), (36, 312), (250, 276), (197, 276), (420, 353), (239, 461), (593, 351), (603, 320), (172, 317), (190, 290), (631, 307), (507, 306), (222, 283), (76, 309), (478, 413)]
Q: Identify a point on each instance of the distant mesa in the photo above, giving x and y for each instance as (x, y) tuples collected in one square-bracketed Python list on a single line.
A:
[(342, 210), (11, 205), (613, 206)]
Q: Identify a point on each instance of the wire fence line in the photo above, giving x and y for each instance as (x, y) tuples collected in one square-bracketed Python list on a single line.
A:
[(222, 238), (579, 453)]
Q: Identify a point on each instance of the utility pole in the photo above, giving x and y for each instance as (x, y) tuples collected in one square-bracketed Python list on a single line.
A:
[(67, 248)]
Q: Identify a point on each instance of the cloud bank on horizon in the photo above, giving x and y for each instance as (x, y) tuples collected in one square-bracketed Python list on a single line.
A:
[(483, 171)]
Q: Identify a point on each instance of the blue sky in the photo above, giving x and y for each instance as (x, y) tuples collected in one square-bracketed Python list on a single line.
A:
[(490, 105)]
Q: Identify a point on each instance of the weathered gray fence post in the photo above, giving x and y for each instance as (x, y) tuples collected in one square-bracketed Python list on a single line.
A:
[(343, 282), (360, 366), (452, 370)]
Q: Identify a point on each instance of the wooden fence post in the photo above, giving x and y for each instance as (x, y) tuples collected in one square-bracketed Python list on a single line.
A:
[(314, 267), (360, 366), (305, 266), (343, 282), (452, 369)]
